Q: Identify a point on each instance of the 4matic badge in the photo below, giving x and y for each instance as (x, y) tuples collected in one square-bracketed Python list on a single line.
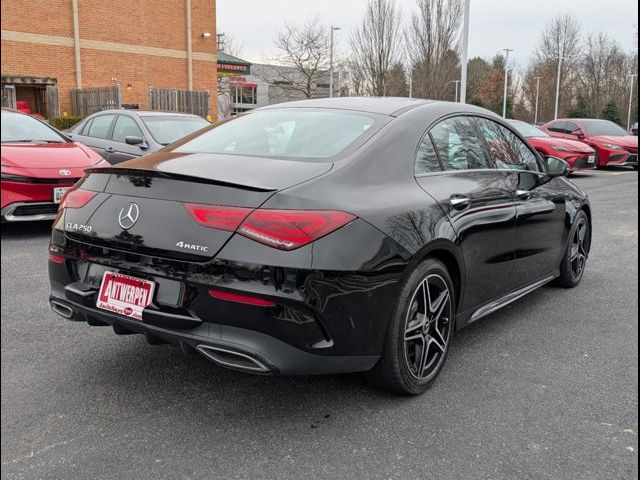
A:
[(192, 247)]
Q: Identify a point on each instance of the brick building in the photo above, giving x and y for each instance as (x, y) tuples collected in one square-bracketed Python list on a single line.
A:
[(50, 47)]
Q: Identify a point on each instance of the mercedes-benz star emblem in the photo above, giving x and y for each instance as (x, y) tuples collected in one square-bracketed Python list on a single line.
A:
[(128, 216), (65, 172)]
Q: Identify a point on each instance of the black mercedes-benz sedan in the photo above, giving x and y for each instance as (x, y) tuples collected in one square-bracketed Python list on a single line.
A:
[(321, 236)]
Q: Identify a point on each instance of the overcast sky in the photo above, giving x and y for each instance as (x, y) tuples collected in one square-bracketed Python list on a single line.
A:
[(494, 24)]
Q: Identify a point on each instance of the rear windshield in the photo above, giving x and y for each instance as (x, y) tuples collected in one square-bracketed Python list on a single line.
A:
[(603, 127), (284, 133), (168, 129), (18, 127)]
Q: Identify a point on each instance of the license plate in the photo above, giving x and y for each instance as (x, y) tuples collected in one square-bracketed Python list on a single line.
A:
[(125, 295), (591, 159), (58, 193)]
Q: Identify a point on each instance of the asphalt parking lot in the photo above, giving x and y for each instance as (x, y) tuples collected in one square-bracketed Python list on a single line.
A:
[(546, 388)]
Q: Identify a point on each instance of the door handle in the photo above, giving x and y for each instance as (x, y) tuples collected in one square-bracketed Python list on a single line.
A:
[(459, 202), (523, 194)]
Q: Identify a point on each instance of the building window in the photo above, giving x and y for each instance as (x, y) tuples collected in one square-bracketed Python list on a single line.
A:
[(246, 94)]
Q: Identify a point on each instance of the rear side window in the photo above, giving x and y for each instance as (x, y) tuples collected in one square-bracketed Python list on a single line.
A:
[(125, 127), (458, 145), (426, 158), (507, 150), (99, 127)]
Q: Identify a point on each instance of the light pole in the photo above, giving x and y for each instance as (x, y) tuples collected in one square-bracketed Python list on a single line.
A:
[(535, 117), (457, 82), (411, 83), (506, 80), (465, 48), (560, 59), (632, 76), (333, 29)]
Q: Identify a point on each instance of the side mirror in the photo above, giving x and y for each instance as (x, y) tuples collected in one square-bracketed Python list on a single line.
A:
[(578, 133), (556, 167), (134, 140)]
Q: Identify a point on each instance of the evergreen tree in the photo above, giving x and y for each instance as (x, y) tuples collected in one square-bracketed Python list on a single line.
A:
[(580, 109), (611, 112)]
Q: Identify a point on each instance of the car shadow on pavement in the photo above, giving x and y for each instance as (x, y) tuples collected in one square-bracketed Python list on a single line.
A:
[(26, 230)]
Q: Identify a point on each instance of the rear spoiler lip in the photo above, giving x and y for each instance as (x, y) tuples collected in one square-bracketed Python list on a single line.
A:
[(176, 176)]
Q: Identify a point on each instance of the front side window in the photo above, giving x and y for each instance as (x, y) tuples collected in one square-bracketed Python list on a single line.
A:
[(507, 150), (458, 145), (572, 127), (99, 127), (125, 127), (558, 127), (426, 158), (286, 133)]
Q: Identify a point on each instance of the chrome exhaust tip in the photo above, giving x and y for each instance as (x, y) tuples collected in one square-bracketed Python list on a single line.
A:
[(62, 309), (230, 359)]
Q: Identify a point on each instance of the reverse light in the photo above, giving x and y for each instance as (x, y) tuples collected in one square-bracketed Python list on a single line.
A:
[(240, 298), (76, 198), (217, 216), (291, 229)]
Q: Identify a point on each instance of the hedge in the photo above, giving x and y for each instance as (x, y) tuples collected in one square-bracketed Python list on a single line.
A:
[(62, 123)]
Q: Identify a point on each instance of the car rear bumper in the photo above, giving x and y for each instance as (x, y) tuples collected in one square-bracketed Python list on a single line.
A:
[(225, 345)]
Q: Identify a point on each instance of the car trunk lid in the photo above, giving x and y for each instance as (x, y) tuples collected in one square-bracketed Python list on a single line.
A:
[(141, 208)]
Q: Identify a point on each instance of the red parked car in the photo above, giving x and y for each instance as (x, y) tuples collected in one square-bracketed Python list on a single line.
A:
[(578, 155), (39, 164), (613, 145)]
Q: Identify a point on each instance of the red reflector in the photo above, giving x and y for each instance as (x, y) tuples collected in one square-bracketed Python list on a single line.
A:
[(291, 229), (56, 258), (76, 198), (238, 298), (217, 216)]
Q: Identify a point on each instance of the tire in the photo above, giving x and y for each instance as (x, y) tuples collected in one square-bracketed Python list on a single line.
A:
[(576, 254), (416, 345)]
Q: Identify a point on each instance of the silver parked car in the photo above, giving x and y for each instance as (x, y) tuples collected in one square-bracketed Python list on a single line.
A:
[(120, 135)]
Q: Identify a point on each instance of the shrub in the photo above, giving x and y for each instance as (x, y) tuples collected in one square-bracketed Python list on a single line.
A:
[(62, 123)]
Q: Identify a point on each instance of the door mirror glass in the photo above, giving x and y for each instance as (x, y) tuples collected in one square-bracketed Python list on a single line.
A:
[(131, 140), (557, 167)]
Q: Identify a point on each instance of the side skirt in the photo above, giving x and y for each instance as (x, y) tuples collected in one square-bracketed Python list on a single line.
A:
[(508, 299)]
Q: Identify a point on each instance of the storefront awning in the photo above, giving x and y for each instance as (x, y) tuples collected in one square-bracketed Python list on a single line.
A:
[(229, 66)]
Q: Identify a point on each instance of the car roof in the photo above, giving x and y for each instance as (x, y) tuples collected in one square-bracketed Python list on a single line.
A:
[(145, 113), (392, 106)]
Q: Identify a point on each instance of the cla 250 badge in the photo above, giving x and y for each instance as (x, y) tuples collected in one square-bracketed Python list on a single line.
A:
[(78, 227), (192, 247)]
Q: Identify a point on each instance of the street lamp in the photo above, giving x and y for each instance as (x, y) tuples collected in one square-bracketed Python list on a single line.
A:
[(632, 76), (457, 82), (506, 80), (560, 59), (333, 29), (465, 48), (535, 117)]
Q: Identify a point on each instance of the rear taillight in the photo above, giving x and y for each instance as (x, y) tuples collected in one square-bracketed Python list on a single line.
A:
[(218, 217), (291, 229), (281, 229), (76, 198)]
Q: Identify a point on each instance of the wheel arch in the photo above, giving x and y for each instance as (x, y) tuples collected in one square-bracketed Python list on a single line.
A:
[(450, 255)]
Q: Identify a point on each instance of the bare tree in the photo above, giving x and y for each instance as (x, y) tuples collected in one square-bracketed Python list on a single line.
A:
[(303, 58), (376, 45), (603, 73), (560, 41), (433, 44)]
